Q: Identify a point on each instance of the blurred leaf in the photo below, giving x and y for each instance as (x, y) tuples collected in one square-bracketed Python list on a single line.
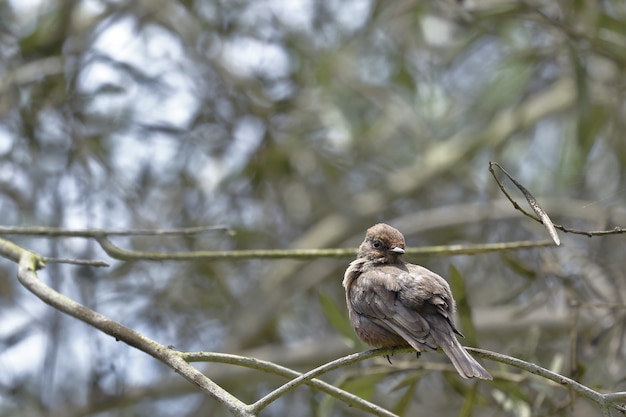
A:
[(364, 386), (110, 88), (515, 291), (519, 267), (505, 86), (463, 307), (592, 120), (326, 406), (515, 406), (469, 401), (410, 379), (470, 393), (337, 316), (404, 402)]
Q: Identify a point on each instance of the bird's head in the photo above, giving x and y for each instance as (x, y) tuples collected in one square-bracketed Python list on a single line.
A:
[(382, 243)]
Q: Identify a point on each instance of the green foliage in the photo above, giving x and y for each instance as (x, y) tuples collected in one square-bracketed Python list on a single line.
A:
[(338, 318), (463, 307), (405, 401)]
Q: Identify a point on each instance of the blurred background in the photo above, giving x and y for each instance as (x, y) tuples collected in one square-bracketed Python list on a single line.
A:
[(299, 124)]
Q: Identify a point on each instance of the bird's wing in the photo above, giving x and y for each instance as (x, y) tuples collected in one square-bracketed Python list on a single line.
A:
[(423, 290), (378, 298)]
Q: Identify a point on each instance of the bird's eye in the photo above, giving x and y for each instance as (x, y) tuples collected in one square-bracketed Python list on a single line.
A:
[(376, 244)]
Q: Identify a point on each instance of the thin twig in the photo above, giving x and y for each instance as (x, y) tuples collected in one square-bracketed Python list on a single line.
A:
[(543, 216), (576, 303), (589, 233), (75, 262)]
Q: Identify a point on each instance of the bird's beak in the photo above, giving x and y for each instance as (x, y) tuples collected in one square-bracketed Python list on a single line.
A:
[(397, 249)]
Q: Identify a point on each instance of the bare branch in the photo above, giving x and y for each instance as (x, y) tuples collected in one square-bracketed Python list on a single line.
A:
[(603, 400), (122, 254), (13, 252), (114, 251), (76, 262), (270, 367), (60, 232), (127, 255), (327, 367), (543, 217), (29, 262), (584, 304)]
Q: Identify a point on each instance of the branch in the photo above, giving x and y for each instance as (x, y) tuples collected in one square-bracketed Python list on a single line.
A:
[(14, 252), (85, 262), (270, 367), (543, 216), (603, 400), (29, 262), (114, 251), (585, 304), (327, 367), (60, 232), (232, 255)]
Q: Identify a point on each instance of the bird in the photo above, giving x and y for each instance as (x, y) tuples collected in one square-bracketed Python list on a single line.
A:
[(392, 303)]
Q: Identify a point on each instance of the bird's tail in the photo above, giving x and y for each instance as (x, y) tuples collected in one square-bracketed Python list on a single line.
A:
[(464, 364)]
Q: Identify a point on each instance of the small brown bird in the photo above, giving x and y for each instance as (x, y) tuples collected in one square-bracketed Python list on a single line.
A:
[(395, 303)]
